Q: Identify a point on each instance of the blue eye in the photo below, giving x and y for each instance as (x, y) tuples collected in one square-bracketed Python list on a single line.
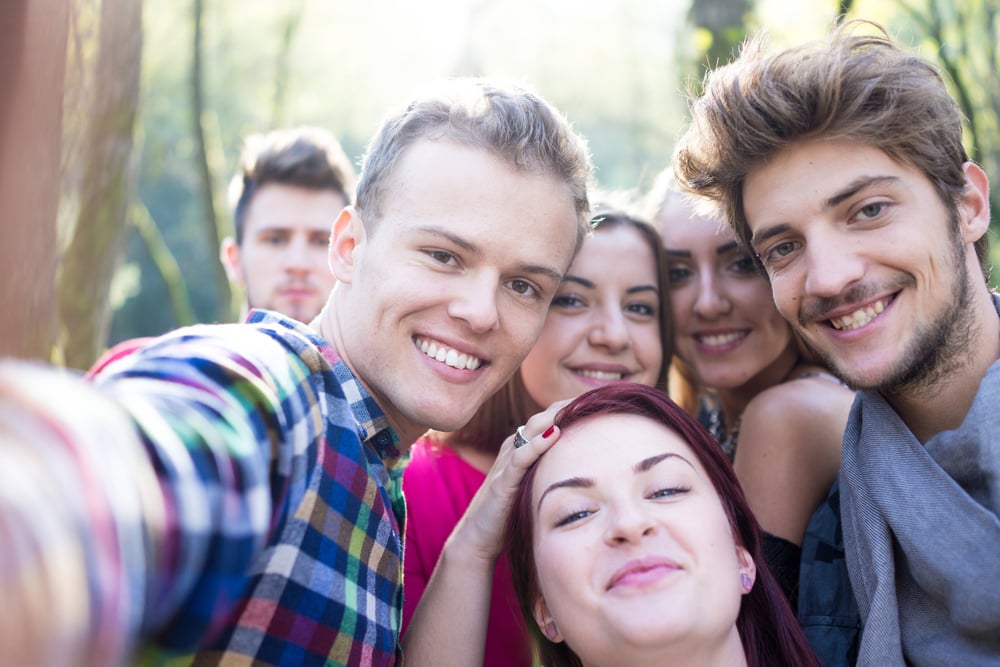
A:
[(871, 210), (571, 518), (669, 491)]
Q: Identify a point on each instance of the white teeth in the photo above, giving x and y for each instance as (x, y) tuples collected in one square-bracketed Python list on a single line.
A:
[(601, 375), (721, 339), (446, 355), (859, 317)]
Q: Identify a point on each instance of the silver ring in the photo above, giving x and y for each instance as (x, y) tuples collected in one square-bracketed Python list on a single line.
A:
[(519, 439)]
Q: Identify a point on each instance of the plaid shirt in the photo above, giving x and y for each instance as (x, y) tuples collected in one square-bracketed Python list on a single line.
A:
[(274, 538)]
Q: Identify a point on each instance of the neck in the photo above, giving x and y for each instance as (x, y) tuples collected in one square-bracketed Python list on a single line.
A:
[(929, 410), (326, 325)]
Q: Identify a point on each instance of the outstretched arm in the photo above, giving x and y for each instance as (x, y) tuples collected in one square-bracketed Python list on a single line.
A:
[(118, 501)]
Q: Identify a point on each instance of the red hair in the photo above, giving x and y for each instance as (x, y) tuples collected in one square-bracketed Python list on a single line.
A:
[(768, 629)]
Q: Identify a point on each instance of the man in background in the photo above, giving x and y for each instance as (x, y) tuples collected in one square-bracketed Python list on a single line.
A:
[(291, 186)]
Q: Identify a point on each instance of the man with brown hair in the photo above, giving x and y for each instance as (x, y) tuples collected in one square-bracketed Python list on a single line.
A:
[(841, 165), (292, 185)]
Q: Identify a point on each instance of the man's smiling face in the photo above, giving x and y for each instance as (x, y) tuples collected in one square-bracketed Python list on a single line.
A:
[(865, 260), (444, 294)]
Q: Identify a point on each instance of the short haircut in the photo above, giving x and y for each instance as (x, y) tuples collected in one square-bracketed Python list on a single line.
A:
[(849, 86), (304, 157), (767, 628), (508, 121)]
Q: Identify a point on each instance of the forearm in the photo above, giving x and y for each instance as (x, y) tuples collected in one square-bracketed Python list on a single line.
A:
[(455, 604)]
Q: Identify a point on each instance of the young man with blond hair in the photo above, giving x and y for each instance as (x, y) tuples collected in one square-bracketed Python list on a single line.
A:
[(257, 522)]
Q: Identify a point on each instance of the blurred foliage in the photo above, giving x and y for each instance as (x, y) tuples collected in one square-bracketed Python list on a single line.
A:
[(616, 68)]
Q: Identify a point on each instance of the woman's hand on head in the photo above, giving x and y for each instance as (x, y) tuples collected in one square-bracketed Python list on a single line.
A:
[(483, 525)]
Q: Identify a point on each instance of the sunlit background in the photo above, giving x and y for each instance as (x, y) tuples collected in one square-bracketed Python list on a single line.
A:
[(618, 69)]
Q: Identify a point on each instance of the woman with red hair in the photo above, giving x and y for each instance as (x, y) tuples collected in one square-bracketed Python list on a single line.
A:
[(630, 542)]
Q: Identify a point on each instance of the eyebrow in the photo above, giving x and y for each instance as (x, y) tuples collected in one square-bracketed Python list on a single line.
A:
[(850, 190), (642, 466), (856, 186), (570, 278), (589, 284), (647, 464), (720, 250), (465, 244)]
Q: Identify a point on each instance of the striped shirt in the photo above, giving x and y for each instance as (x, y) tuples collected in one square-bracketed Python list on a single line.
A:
[(272, 535)]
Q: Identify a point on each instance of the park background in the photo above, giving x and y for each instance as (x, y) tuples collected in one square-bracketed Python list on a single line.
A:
[(115, 224)]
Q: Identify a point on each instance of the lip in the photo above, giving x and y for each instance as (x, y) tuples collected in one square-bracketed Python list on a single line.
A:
[(721, 340), (298, 292), (642, 573)]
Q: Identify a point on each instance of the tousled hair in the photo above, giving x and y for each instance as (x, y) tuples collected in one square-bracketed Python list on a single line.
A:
[(511, 123), (849, 86), (304, 157), (768, 630)]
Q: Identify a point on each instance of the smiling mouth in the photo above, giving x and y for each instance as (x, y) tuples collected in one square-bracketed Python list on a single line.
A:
[(599, 375), (859, 317), (449, 356), (716, 340)]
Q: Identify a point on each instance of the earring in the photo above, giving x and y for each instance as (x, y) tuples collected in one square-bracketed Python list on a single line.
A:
[(551, 631), (745, 582)]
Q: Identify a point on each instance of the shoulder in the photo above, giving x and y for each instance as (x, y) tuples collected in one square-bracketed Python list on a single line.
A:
[(804, 406)]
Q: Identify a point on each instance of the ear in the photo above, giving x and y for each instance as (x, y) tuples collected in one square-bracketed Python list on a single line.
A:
[(974, 204), (229, 255), (346, 243), (545, 622), (748, 569)]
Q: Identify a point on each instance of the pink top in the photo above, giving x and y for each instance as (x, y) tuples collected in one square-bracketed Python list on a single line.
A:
[(438, 486)]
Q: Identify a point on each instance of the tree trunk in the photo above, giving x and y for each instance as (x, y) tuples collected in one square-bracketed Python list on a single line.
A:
[(106, 184), (210, 207), (33, 37)]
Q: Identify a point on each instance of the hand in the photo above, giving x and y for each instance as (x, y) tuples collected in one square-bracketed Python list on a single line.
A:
[(481, 528)]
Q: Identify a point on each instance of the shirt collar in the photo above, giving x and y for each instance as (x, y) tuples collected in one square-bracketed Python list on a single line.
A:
[(372, 424)]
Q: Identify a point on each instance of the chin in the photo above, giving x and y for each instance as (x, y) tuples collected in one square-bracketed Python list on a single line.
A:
[(446, 419)]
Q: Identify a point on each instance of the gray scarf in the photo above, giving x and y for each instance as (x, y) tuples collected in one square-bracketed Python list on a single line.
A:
[(922, 533)]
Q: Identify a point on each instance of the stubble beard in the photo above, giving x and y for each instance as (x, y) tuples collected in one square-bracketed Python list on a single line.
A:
[(936, 350)]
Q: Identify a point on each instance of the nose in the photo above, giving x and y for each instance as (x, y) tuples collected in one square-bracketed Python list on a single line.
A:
[(474, 301), (712, 300), (609, 329), (629, 523), (832, 265), (296, 255)]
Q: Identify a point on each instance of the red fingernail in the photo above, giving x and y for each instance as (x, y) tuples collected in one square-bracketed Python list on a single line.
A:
[(549, 431)]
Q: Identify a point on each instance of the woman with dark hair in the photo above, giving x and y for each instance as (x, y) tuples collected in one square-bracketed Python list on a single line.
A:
[(630, 543)]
